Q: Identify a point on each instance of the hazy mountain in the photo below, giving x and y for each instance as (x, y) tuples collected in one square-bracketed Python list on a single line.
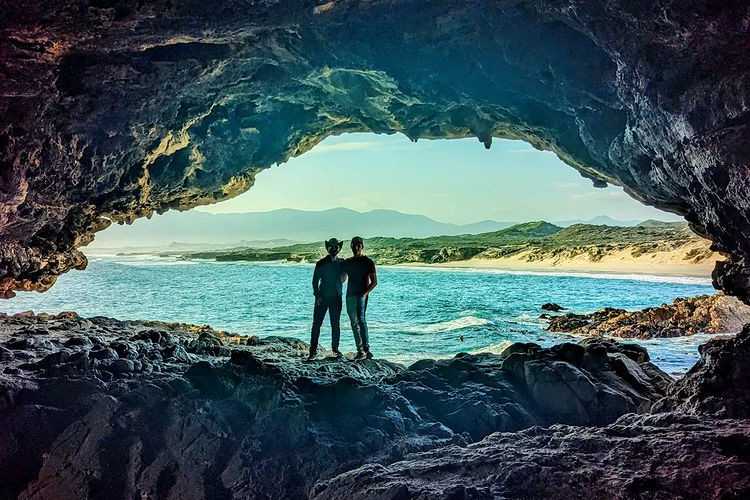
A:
[(191, 228), (202, 231)]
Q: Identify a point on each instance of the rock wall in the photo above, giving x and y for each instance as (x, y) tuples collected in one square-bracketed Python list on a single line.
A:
[(719, 384), (113, 110)]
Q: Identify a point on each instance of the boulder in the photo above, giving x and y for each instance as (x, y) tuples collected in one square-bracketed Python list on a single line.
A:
[(551, 306), (121, 366), (212, 382), (719, 384), (104, 353), (206, 343)]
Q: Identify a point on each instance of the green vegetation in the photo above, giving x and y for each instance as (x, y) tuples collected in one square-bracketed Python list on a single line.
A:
[(540, 238)]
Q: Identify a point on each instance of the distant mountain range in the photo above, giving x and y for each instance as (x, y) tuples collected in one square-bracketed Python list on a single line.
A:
[(287, 226)]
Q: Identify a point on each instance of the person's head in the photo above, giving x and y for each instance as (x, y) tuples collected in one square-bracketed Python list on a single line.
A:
[(333, 246), (358, 244)]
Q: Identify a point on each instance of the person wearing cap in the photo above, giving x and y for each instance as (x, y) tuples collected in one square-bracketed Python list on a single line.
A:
[(360, 270), (326, 284)]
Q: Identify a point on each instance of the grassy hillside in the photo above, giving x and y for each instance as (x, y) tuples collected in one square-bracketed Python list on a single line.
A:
[(539, 239)]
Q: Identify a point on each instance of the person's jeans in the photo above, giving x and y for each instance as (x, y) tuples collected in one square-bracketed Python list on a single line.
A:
[(356, 307), (332, 305)]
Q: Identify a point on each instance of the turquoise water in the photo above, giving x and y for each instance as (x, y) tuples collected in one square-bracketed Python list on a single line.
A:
[(414, 313)]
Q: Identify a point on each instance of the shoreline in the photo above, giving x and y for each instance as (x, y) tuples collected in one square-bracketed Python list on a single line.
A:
[(503, 265), (696, 272), (676, 263)]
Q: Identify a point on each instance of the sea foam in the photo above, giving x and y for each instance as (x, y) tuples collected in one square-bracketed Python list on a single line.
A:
[(652, 278), (450, 325), (493, 348)]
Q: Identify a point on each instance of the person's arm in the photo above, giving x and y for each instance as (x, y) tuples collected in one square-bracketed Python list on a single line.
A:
[(343, 272), (316, 281), (372, 279)]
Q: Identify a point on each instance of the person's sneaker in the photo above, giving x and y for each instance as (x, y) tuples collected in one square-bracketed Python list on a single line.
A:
[(311, 357), (360, 355), (337, 354), (368, 355)]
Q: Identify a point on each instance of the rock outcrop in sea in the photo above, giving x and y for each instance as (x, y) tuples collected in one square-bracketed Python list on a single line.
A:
[(685, 316), (95, 407)]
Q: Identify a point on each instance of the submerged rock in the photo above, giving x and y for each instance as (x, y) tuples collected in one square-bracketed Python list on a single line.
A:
[(703, 314), (551, 306), (256, 421)]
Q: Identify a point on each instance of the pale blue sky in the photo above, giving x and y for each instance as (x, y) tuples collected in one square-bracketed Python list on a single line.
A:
[(455, 181)]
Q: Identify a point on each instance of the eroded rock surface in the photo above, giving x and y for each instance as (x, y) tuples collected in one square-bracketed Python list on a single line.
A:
[(719, 384), (656, 456), (113, 110), (100, 408), (685, 316), (695, 444)]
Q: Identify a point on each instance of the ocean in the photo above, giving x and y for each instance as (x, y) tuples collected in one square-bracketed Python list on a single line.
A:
[(414, 313)]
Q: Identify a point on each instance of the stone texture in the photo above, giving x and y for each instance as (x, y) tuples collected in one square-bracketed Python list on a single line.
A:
[(719, 384), (248, 418), (114, 110), (703, 314), (662, 456)]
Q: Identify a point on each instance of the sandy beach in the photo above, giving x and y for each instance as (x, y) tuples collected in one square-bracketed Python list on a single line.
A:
[(662, 263)]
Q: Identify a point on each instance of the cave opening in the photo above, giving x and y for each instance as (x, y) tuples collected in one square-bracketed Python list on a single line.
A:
[(114, 111), (470, 244)]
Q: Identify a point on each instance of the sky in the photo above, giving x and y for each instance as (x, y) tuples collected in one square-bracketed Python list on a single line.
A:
[(456, 181)]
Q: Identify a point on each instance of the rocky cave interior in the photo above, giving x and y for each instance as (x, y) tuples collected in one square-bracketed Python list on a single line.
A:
[(114, 110)]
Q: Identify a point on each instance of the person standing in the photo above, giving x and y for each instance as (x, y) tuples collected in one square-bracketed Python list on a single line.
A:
[(326, 283), (360, 271)]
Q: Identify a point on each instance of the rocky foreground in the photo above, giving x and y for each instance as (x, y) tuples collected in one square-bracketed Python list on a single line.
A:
[(685, 316), (100, 408)]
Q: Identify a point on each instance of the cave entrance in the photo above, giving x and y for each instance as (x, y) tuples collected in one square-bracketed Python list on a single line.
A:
[(470, 243)]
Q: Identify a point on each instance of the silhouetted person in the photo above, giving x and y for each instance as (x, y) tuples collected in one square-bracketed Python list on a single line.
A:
[(362, 279), (326, 283)]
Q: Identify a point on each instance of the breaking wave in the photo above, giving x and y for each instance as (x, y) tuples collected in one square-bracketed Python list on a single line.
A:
[(493, 348), (450, 325)]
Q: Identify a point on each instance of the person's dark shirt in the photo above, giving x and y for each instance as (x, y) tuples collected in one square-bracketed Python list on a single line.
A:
[(358, 269), (327, 277)]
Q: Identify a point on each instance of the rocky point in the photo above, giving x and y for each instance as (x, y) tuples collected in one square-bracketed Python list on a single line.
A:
[(94, 406), (685, 316)]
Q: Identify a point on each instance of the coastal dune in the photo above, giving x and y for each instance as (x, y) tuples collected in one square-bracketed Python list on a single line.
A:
[(652, 247), (693, 259)]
